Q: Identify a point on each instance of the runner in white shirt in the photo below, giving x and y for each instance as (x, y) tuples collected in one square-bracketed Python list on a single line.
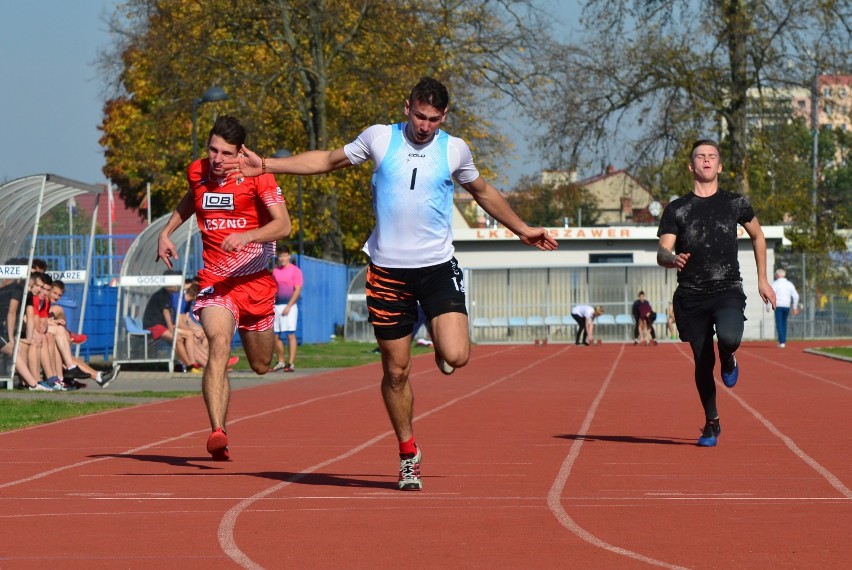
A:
[(410, 248)]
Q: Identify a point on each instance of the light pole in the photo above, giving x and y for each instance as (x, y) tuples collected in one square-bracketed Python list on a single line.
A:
[(815, 163), (212, 94), (283, 153)]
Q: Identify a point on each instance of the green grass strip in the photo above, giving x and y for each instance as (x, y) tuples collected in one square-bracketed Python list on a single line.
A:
[(838, 350), (162, 394), (15, 414)]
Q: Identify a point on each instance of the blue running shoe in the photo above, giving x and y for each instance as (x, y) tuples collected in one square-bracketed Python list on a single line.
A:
[(711, 431), (730, 377)]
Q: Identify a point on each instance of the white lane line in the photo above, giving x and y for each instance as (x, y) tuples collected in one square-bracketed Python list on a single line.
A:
[(798, 371), (554, 497), (832, 479), (62, 468), (161, 442), (229, 521)]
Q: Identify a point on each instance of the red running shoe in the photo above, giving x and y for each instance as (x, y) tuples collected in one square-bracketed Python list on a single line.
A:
[(78, 338), (233, 360), (217, 445)]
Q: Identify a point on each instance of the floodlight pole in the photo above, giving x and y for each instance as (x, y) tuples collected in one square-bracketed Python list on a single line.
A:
[(815, 127)]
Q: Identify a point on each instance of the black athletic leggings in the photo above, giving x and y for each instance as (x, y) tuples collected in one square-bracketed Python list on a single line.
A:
[(697, 320), (581, 328)]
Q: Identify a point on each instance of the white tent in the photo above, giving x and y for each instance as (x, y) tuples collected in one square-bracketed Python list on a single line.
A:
[(141, 276), (23, 202)]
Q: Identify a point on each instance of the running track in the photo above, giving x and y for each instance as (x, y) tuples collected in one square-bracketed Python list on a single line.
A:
[(534, 457)]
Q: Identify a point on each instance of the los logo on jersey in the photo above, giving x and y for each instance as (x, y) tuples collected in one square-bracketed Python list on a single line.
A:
[(217, 201)]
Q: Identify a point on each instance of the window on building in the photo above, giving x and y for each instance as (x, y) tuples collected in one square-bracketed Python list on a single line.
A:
[(610, 258)]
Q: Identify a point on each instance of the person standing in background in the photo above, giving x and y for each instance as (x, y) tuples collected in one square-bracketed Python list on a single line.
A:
[(289, 279), (786, 298), (643, 326)]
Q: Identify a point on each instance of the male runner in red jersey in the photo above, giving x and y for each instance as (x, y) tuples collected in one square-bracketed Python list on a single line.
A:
[(240, 220)]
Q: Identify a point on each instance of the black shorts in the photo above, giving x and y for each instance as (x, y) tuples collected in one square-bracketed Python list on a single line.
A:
[(695, 314), (393, 294)]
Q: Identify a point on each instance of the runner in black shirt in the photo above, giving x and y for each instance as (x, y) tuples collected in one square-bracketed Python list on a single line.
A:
[(702, 228)]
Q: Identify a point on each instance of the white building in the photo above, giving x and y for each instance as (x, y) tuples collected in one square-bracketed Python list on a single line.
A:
[(593, 265)]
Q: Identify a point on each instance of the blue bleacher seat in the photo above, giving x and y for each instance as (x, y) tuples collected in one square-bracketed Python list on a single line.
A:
[(624, 319), (135, 329), (499, 322), (605, 320)]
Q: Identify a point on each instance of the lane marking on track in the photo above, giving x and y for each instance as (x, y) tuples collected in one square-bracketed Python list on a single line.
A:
[(229, 521), (798, 371), (830, 477), (554, 497), (62, 468)]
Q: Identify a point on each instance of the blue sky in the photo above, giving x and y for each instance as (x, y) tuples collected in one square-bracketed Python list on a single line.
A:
[(53, 95)]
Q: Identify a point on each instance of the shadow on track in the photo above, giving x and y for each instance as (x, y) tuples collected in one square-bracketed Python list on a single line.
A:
[(628, 439), (206, 463)]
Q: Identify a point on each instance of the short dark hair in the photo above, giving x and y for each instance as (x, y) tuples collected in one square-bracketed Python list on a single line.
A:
[(704, 142), (432, 92), (640, 293), (40, 265), (60, 284), (46, 279), (229, 129)]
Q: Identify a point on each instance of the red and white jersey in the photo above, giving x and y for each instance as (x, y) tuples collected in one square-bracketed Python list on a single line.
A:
[(236, 206)]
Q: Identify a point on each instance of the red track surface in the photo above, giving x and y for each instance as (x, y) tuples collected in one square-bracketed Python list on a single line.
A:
[(533, 457)]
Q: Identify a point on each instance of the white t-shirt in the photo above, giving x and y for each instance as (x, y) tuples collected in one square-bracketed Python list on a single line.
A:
[(786, 295), (586, 311), (412, 193)]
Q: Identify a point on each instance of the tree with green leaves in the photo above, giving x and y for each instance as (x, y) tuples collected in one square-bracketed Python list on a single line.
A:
[(302, 74), (548, 205), (648, 77)]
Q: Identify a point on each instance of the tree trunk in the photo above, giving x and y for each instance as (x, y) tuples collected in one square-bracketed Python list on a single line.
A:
[(737, 24)]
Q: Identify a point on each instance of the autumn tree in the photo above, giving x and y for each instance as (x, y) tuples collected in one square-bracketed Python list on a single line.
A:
[(647, 77), (302, 75), (549, 205), (783, 187)]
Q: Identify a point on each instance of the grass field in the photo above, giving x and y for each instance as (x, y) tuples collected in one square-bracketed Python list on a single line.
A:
[(16, 414), (837, 350)]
